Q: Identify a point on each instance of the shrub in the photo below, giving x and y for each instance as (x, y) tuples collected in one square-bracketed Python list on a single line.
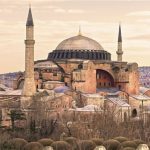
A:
[(46, 142), (48, 148), (121, 139), (97, 141), (128, 148), (4, 140), (87, 145), (6, 145), (33, 146), (63, 136), (61, 145), (129, 144), (138, 142), (17, 143), (73, 142), (112, 144)]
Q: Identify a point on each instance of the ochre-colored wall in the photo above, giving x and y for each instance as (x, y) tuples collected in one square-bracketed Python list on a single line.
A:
[(85, 79), (133, 86), (147, 93)]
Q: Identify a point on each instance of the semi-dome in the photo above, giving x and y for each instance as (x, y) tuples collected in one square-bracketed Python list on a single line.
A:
[(79, 42)]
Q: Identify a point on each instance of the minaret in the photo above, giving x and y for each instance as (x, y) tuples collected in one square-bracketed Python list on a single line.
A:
[(119, 51), (29, 84)]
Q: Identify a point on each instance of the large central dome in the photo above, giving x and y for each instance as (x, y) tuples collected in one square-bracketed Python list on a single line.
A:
[(79, 47), (79, 43)]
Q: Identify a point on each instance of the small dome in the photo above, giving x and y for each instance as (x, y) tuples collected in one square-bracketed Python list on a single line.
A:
[(79, 43)]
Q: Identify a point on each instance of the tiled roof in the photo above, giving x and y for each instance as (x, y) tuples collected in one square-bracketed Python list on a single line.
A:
[(118, 101)]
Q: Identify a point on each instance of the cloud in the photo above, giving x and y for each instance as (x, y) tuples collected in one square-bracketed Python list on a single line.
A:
[(76, 11), (6, 10), (140, 37), (71, 11), (59, 10), (143, 20), (139, 13)]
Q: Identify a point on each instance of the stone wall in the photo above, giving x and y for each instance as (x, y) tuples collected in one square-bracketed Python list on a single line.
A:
[(50, 85), (93, 99)]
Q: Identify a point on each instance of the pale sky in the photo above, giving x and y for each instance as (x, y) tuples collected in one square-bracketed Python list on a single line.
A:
[(56, 20)]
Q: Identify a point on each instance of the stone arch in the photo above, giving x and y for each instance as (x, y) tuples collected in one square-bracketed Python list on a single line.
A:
[(104, 79), (61, 69)]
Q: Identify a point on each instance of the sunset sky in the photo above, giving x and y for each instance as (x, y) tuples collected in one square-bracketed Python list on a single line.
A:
[(56, 20)]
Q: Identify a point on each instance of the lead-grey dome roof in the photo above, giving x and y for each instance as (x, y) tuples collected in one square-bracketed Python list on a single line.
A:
[(79, 42)]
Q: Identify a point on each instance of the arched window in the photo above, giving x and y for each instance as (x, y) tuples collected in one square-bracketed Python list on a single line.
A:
[(103, 56), (65, 54), (58, 55), (69, 54), (100, 56), (134, 113), (119, 87), (74, 54), (125, 117), (80, 66), (104, 84), (62, 55)]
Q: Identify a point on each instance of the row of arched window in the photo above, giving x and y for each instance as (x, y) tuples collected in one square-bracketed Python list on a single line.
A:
[(92, 55)]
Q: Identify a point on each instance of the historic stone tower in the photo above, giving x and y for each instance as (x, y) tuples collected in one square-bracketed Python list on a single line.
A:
[(119, 51), (29, 88)]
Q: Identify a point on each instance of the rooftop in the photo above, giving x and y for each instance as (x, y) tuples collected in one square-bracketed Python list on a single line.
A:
[(118, 101), (88, 108), (141, 97), (79, 42)]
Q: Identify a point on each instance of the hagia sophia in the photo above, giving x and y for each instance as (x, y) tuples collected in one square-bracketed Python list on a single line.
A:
[(84, 65), (79, 75)]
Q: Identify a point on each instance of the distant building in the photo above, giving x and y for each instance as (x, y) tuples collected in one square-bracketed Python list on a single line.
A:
[(145, 76), (83, 65)]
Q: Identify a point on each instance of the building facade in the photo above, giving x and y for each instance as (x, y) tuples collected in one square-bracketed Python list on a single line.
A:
[(83, 65)]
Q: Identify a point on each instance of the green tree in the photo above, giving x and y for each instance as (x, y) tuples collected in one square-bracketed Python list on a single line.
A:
[(16, 115), (32, 126)]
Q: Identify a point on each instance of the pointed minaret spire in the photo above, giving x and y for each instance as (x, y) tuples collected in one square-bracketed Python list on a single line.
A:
[(30, 18), (119, 51), (79, 31), (120, 34)]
